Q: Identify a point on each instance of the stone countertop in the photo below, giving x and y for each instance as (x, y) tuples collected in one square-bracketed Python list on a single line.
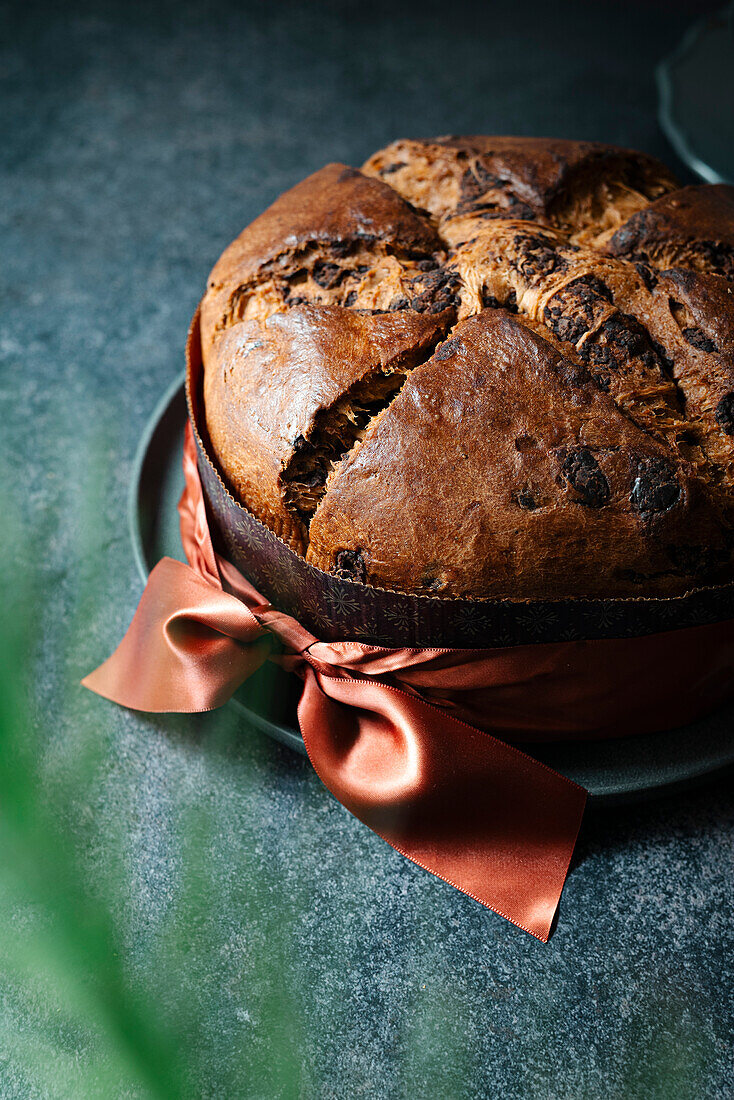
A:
[(140, 140)]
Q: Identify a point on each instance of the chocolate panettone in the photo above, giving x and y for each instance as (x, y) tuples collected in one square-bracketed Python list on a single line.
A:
[(484, 367)]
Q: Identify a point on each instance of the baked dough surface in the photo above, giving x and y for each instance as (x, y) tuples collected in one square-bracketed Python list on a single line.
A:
[(484, 367)]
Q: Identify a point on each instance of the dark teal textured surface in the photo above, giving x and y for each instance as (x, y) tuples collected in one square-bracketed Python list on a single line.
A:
[(138, 141)]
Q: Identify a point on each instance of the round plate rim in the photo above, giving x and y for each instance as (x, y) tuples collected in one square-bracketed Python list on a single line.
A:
[(281, 733), (665, 75)]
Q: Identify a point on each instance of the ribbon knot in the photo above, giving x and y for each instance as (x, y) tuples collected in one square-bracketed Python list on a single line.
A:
[(382, 727)]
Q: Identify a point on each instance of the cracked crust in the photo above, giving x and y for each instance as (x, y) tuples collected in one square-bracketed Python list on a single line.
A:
[(583, 187), (691, 228), (484, 367), (335, 214), (286, 395), (541, 477)]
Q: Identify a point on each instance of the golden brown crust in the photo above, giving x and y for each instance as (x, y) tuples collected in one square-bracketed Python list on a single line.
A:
[(327, 216), (572, 435), (694, 320), (692, 227), (582, 186), (285, 396), (539, 477)]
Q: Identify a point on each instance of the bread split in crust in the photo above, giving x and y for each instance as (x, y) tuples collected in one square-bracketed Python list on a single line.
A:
[(484, 367)]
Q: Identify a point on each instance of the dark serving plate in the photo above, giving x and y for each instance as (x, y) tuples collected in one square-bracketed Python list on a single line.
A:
[(614, 770)]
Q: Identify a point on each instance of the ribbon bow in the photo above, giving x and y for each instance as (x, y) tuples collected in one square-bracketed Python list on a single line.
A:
[(471, 809)]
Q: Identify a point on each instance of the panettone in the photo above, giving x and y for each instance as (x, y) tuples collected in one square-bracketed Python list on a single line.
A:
[(484, 367)]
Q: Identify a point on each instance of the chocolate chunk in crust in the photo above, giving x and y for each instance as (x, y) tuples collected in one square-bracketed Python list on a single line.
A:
[(437, 290), (725, 413), (656, 488), (583, 474), (350, 565), (576, 308)]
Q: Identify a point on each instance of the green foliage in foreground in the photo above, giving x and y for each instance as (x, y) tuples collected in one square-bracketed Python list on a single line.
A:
[(95, 1024)]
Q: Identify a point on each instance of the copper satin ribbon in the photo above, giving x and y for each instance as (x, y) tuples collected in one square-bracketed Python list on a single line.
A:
[(393, 733)]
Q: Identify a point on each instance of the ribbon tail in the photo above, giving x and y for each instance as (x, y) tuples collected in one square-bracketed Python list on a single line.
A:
[(474, 811), (189, 647)]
